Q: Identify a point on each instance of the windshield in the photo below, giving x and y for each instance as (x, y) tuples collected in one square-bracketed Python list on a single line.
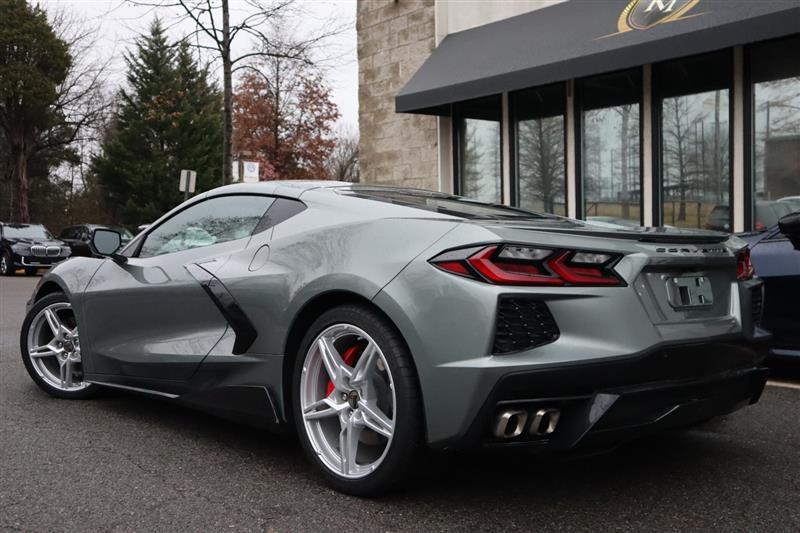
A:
[(442, 203), (26, 231)]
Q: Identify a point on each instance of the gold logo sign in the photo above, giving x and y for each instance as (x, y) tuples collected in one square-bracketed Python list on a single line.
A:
[(644, 14)]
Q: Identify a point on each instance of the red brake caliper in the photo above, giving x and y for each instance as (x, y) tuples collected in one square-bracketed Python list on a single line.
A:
[(349, 358)]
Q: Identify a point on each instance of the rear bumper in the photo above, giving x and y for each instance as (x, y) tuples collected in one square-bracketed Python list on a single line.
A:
[(609, 402)]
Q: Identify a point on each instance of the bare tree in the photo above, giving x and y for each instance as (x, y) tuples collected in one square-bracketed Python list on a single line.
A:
[(41, 123), (265, 24), (343, 161)]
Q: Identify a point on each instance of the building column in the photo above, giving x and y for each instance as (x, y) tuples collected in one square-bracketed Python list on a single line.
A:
[(571, 153), (505, 154), (738, 141), (445, 154), (648, 182)]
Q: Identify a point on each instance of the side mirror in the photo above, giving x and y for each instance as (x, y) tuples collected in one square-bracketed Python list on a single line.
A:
[(106, 242), (790, 226)]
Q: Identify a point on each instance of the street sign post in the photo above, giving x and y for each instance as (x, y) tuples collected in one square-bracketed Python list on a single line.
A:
[(187, 183)]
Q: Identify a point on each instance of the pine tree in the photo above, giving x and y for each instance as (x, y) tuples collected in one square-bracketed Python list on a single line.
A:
[(170, 118)]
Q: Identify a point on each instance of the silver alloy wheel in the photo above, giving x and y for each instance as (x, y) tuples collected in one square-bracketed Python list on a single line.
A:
[(54, 347), (351, 426), (3, 264)]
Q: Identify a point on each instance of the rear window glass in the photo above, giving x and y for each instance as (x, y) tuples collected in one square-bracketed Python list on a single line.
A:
[(442, 203)]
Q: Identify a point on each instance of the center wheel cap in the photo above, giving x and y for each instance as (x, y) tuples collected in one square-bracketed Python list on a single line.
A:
[(352, 398)]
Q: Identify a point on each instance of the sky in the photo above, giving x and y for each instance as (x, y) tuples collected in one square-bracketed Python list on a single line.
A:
[(118, 22)]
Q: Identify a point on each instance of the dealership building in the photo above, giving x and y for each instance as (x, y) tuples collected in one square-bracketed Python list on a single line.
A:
[(653, 112)]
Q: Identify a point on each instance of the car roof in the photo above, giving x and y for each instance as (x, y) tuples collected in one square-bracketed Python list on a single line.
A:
[(295, 188), (288, 188)]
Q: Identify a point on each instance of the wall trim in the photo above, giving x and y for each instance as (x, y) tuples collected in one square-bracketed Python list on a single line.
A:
[(648, 173), (505, 154), (738, 140), (571, 152)]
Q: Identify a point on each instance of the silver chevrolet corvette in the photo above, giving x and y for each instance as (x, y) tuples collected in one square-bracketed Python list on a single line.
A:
[(381, 321)]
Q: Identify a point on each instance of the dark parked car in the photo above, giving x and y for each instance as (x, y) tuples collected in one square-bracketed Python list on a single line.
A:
[(77, 237), (767, 214), (777, 262), (28, 246)]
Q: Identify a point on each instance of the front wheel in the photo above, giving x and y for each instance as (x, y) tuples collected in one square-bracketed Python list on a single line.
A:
[(51, 348), (357, 405), (6, 265)]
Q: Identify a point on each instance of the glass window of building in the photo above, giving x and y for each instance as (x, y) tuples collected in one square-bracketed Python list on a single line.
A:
[(478, 161), (539, 148), (694, 110), (775, 156), (610, 147)]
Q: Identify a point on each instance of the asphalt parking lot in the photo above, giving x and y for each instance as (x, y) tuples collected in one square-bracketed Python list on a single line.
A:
[(127, 463)]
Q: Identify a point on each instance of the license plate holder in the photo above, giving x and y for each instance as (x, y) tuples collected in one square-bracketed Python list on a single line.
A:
[(690, 292)]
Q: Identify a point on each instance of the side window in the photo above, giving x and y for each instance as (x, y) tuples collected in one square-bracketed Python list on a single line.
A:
[(281, 209), (213, 221)]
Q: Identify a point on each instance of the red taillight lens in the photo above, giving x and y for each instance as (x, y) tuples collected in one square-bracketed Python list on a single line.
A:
[(525, 265), (744, 267)]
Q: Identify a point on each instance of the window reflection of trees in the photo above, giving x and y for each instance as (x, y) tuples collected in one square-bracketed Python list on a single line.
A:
[(695, 157), (215, 221), (611, 162), (540, 160), (480, 159), (202, 232)]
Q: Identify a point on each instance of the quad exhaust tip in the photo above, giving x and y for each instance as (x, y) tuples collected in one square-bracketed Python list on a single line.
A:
[(512, 423)]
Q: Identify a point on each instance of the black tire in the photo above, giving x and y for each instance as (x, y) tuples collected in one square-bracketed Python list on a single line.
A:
[(88, 392), (6, 265), (407, 442), (31, 271)]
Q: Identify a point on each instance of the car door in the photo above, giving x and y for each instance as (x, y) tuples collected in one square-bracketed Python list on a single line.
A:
[(150, 318), (778, 264)]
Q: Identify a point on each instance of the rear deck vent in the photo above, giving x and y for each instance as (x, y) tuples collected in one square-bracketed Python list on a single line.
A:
[(523, 323)]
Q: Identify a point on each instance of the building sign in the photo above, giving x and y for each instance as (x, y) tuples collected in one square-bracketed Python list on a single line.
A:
[(250, 172), (644, 14)]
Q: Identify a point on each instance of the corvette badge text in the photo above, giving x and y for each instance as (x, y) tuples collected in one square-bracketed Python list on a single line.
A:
[(644, 14)]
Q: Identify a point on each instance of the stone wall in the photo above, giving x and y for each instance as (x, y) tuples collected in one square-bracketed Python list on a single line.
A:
[(394, 39)]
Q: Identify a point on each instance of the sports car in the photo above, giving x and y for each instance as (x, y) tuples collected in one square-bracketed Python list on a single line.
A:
[(378, 322)]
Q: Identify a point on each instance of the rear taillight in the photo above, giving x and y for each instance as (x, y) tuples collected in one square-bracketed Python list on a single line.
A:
[(504, 264), (744, 267)]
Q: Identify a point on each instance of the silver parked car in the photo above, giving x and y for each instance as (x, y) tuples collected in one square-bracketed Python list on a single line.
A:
[(379, 321)]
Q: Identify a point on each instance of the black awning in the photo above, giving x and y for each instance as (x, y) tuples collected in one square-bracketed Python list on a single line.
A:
[(584, 37)]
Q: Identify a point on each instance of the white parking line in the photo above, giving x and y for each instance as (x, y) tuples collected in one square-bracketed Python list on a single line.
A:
[(784, 384)]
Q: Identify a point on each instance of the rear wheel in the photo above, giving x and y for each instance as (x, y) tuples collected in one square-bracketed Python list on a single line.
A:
[(356, 402), (51, 349)]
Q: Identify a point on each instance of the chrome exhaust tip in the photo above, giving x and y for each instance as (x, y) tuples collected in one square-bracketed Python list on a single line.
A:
[(510, 424), (544, 422)]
